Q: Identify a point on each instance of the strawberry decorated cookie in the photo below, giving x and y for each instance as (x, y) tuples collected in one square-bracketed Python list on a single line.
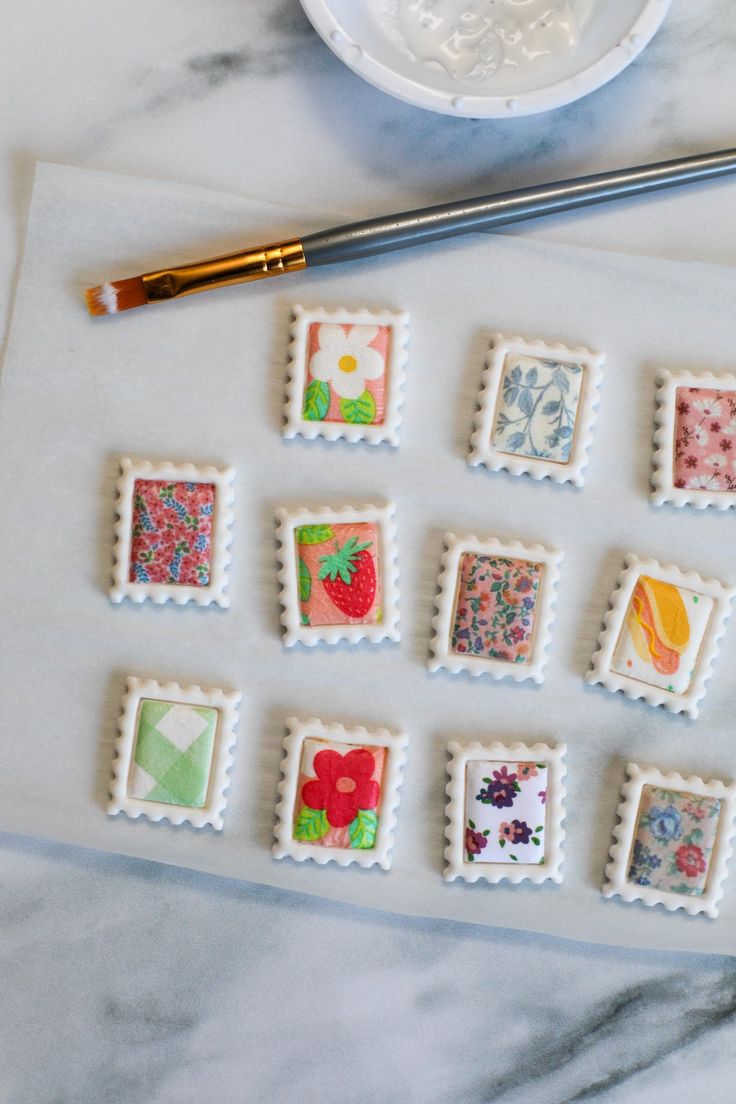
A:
[(339, 580), (339, 575)]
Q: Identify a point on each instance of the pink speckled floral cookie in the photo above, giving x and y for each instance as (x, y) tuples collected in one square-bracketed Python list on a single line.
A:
[(173, 533), (695, 455), (494, 608)]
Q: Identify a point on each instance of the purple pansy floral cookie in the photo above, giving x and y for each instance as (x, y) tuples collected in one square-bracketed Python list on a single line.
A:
[(505, 814)]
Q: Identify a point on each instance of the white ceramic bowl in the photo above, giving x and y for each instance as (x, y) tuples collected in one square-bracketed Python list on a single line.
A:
[(615, 32)]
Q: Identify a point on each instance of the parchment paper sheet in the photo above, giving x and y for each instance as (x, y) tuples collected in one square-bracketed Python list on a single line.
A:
[(203, 380)]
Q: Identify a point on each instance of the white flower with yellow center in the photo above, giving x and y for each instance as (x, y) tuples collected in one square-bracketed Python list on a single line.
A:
[(346, 360)]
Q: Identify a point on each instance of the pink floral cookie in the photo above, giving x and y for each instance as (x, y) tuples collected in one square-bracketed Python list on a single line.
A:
[(494, 609), (346, 373), (339, 793), (673, 841), (505, 812), (705, 436), (695, 455), (173, 533), (338, 574)]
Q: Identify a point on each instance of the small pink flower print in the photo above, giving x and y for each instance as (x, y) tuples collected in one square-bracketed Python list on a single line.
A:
[(525, 770), (171, 532), (506, 831), (696, 811), (495, 607), (704, 422)]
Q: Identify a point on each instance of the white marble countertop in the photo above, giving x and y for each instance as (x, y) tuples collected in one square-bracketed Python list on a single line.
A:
[(124, 981)]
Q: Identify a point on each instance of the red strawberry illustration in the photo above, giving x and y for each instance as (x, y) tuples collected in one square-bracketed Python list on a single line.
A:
[(349, 576)]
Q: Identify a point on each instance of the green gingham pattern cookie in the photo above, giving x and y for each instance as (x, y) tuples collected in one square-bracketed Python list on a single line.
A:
[(173, 753)]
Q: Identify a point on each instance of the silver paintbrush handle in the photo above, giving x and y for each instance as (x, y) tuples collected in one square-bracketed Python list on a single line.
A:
[(381, 235)]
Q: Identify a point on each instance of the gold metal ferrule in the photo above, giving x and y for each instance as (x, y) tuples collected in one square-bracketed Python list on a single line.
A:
[(234, 268)]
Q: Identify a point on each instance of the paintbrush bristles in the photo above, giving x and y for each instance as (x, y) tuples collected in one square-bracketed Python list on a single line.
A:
[(116, 296)]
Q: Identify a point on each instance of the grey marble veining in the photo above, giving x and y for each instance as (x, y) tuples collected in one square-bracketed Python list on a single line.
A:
[(128, 981), (124, 981)]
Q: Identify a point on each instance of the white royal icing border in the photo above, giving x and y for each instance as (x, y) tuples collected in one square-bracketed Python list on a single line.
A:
[(226, 702), (290, 520), (441, 655), (388, 430), (601, 672), (456, 865), (221, 538), (298, 731), (663, 476), (616, 883), (482, 450)]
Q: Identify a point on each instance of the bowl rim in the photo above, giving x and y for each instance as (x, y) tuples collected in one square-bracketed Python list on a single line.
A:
[(488, 105)]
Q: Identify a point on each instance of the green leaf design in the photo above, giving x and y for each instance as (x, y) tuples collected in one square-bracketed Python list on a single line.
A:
[(343, 561), (535, 841), (514, 858), (304, 619), (502, 843), (316, 401), (311, 824), (314, 534), (305, 581), (363, 829), (361, 410), (472, 825), (540, 828)]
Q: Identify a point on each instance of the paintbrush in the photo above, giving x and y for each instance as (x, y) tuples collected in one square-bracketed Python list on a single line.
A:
[(381, 235)]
